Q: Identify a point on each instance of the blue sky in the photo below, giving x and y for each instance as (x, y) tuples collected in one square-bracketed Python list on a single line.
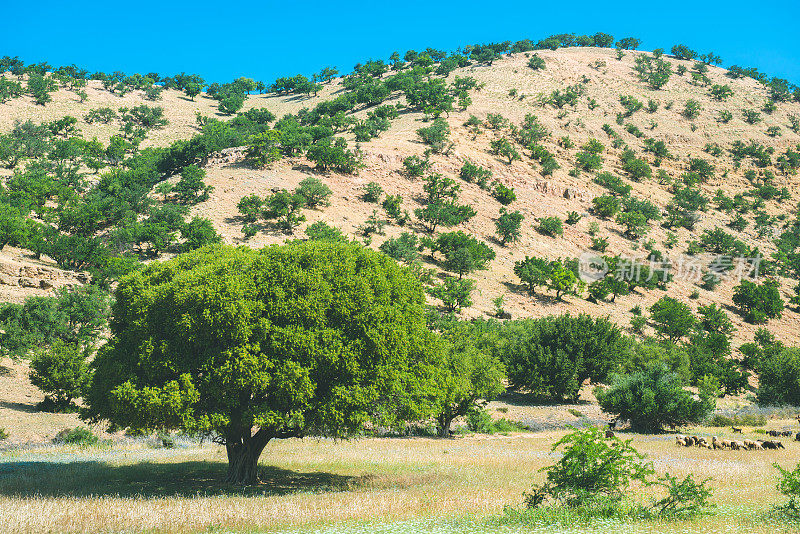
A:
[(263, 40)]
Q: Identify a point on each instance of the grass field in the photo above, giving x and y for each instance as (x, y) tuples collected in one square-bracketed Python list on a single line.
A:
[(365, 485)]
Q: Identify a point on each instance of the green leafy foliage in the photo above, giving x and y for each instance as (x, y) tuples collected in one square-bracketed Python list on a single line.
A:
[(455, 293), (508, 225), (436, 135), (672, 319), (553, 356), (314, 191), (652, 399), (62, 373), (472, 378), (590, 466), (758, 302), (277, 323), (550, 226)]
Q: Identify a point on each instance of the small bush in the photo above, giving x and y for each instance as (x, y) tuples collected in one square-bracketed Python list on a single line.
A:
[(392, 205), (751, 116), (402, 248), (691, 109), (321, 231), (76, 436), (481, 422), (590, 466), (436, 135), (599, 244), (685, 498), (416, 166), (504, 195), (62, 373), (474, 173), (508, 226), (536, 62), (573, 217), (551, 226), (372, 192), (314, 191), (495, 121), (789, 486)]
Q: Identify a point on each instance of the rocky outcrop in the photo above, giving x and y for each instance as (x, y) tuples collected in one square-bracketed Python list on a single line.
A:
[(25, 275)]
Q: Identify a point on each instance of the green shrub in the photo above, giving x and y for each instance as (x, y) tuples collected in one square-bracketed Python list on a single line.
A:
[(613, 183), (652, 399), (685, 498), (314, 191), (631, 104), (496, 121), (573, 217), (758, 302), (751, 116), (720, 420), (551, 226), (654, 71), (504, 195), (62, 373), (599, 244), (779, 378), (503, 148), (590, 466), (416, 166), (691, 110), (402, 248), (455, 293), (392, 205), (263, 148), (789, 486), (638, 169), (508, 225), (605, 206), (76, 436), (436, 135), (672, 319), (474, 173), (720, 92), (3, 434), (321, 231), (372, 192), (681, 51), (638, 323), (536, 62)]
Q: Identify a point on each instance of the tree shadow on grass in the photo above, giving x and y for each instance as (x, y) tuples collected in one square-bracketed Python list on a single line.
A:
[(150, 479), (19, 406)]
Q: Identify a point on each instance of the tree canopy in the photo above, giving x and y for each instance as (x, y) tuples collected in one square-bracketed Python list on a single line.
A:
[(315, 338)]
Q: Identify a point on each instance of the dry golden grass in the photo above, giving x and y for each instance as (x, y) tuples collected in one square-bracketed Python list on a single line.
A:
[(310, 483)]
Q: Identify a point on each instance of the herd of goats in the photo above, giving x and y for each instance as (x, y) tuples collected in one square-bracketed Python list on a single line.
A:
[(736, 445)]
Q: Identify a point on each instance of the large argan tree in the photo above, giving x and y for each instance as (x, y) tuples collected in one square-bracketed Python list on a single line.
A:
[(247, 346)]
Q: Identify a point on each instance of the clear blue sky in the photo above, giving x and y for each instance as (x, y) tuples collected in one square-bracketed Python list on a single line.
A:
[(222, 40)]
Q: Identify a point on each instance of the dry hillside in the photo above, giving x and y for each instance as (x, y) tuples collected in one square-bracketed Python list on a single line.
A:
[(605, 79)]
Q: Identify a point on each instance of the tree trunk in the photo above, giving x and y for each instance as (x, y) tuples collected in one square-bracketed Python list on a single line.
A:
[(243, 457), (444, 422)]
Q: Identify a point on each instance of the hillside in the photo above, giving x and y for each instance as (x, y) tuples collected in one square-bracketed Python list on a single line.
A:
[(605, 79)]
